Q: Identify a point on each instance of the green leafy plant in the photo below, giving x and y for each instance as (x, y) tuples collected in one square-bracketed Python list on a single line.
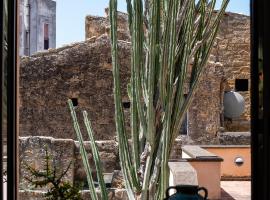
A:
[(58, 189), (171, 43)]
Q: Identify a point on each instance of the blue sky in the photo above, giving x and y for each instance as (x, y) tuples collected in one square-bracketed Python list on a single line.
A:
[(70, 16)]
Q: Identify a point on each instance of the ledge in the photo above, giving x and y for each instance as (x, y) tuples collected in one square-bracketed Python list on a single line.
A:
[(225, 146), (196, 153), (114, 194), (182, 173), (234, 138)]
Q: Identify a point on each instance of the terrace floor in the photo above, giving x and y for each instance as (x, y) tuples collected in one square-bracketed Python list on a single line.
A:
[(230, 190), (235, 190)]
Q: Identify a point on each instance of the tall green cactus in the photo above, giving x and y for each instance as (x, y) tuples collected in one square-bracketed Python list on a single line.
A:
[(171, 43), (172, 36), (93, 192)]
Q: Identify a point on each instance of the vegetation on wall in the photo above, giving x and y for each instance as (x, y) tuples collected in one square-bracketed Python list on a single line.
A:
[(171, 43), (52, 177)]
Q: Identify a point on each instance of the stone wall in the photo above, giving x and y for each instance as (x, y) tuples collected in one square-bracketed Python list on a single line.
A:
[(232, 49), (204, 112), (63, 152), (83, 71), (231, 55), (96, 26)]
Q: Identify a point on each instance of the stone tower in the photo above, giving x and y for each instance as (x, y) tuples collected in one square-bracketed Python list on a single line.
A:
[(37, 26)]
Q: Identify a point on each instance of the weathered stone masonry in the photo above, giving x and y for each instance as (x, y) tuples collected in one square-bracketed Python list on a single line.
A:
[(64, 151), (232, 51), (83, 71)]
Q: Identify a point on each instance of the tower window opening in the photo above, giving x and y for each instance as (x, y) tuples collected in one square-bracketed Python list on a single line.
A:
[(46, 36)]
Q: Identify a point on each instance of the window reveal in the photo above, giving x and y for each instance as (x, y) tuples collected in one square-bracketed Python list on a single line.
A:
[(46, 36)]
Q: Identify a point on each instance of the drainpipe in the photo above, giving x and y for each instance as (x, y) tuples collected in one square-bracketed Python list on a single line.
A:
[(27, 26)]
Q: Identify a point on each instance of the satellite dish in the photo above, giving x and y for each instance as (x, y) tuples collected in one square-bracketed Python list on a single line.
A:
[(234, 104)]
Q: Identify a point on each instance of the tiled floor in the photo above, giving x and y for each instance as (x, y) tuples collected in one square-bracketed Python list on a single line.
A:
[(235, 190)]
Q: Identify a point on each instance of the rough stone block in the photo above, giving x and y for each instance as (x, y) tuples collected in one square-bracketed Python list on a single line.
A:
[(108, 152), (234, 138), (182, 173), (33, 151)]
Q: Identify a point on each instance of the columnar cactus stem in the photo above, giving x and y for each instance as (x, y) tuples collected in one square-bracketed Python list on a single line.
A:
[(170, 49), (179, 34)]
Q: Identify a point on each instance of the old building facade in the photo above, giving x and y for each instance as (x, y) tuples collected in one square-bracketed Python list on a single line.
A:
[(83, 72), (37, 26)]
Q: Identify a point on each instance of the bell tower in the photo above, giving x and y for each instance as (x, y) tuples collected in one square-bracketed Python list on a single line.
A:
[(37, 26)]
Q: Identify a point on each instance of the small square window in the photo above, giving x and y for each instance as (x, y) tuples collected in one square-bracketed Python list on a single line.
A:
[(75, 102), (126, 105), (241, 85)]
